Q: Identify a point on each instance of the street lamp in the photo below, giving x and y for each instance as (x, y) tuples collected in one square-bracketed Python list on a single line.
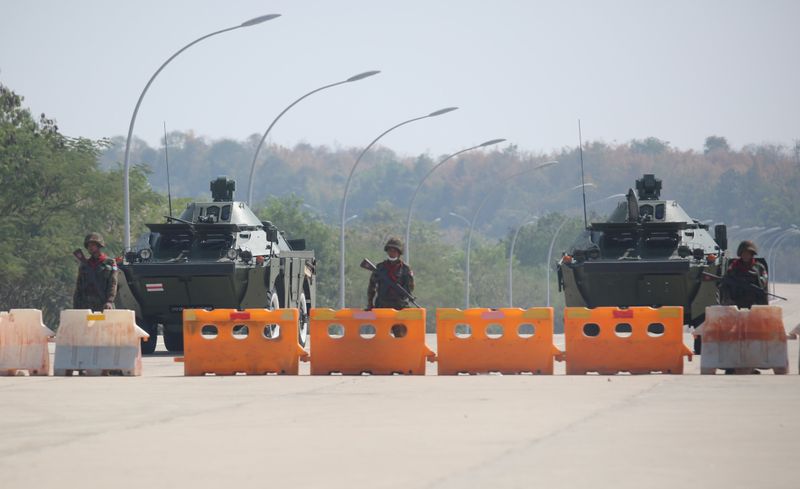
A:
[(347, 190), (465, 221), (353, 78), (511, 260), (772, 255), (478, 211), (126, 176), (555, 236), (416, 190)]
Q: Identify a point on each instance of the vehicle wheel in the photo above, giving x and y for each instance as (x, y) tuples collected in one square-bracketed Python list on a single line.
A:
[(149, 346), (698, 340), (302, 327), (272, 300), (173, 340), (272, 303)]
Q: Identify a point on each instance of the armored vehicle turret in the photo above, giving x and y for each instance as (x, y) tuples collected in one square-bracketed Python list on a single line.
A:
[(648, 253), (217, 254)]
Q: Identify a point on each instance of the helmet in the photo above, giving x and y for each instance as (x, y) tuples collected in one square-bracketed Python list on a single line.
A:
[(96, 237), (394, 243), (746, 245)]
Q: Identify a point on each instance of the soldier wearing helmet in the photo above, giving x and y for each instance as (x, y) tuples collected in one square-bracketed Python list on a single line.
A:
[(381, 293), (96, 288), (736, 287)]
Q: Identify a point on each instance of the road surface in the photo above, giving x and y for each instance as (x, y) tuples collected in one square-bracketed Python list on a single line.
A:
[(165, 430)]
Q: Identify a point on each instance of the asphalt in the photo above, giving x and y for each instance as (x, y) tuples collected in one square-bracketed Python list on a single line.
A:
[(166, 430)]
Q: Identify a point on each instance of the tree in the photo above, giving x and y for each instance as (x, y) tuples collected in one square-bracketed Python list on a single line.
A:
[(54, 194), (715, 143)]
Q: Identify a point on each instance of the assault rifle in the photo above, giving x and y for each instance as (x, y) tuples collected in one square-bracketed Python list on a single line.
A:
[(368, 265), (742, 284)]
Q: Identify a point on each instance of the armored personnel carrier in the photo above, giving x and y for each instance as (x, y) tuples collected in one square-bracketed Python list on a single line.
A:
[(648, 253), (215, 255)]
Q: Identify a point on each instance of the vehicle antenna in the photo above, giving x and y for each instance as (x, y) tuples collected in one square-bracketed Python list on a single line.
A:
[(583, 183), (166, 158)]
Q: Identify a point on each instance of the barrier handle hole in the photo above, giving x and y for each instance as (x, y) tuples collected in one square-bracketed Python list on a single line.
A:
[(335, 331), (494, 331), (208, 332), (591, 330), (398, 331), (240, 331), (367, 331), (623, 330), (463, 331), (526, 330), (271, 331), (655, 330)]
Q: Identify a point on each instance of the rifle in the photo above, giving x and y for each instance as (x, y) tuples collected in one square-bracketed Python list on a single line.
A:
[(368, 265), (740, 283)]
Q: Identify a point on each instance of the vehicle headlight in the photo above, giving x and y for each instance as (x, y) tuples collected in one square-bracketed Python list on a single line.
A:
[(145, 254), (232, 254)]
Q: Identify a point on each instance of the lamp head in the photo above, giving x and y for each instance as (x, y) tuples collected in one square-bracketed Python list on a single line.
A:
[(491, 142), (361, 76), (259, 20), (442, 111)]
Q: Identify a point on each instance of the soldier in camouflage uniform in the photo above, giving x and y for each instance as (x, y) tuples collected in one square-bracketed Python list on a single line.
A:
[(736, 287), (96, 288), (381, 293)]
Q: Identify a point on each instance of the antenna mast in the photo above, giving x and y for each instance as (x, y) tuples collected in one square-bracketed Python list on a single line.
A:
[(166, 158), (583, 182)]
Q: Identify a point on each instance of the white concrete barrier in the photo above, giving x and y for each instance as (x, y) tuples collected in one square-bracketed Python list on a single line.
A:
[(743, 339), (98, 343), (23, 343), (794, 334)]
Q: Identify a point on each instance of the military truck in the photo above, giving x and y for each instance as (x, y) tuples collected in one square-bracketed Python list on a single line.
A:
[(648, 253), (216, 254)]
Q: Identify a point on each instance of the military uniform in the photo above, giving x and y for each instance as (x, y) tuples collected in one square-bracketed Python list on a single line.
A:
[(97, 280), (381, 293), (737, 288)]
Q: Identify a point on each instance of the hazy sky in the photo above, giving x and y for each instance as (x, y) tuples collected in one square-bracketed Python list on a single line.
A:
[(523, 70)]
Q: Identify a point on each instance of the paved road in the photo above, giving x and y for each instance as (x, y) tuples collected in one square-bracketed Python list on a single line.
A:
[(164, 430)]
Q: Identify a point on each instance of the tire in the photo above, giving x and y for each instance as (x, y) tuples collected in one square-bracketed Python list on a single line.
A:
[(272, 303), (149, 346), (173, 340), (302, 326), (698, 340)]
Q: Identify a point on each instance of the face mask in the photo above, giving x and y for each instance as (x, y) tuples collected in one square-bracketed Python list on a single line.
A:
[(393, 259)]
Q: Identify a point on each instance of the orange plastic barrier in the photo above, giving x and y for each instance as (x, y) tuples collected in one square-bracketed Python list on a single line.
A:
[(23, 342), (508, 341), (252, 341), (638, 340), (379, 342), (743, 339)]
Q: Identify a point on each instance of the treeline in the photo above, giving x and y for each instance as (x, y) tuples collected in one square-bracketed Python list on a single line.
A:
[(754, 185)]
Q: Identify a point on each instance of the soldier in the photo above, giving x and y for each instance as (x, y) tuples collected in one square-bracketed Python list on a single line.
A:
[(737, 286), (96, 287), (381, 293)]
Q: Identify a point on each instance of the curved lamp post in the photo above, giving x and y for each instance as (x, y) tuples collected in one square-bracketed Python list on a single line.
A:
[(126, 176), (347, 190), (511, 260), (353, 78), (478, 211), (555, 236), (421, 182), (772, 256), (465, 221)]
